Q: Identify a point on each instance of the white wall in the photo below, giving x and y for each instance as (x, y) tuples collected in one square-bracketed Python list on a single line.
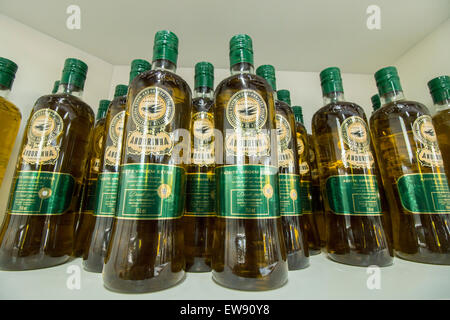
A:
[(426, 60), (40, 59)]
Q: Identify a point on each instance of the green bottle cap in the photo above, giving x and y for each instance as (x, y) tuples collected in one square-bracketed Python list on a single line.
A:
[(102, 109), (204, 75), (284, 95), (440, 88), (8, 71), (241, 49), (120, 91), (139, 66), (331, 81), (376, 102), (55, 87), (165, 46), (387, 80), (298, 114), (74, 72), (267, 72)]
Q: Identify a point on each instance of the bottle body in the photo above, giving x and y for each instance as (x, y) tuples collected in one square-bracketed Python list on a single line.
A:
[(45, 192), (414, 181), (199, 215), (248, 246), (354, 228), (292, 190), (311, 230), (10, 118), (145, 252), (84, 220), (104, 207)]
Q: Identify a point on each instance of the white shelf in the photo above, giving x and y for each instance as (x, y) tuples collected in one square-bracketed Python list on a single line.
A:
[(324, 279)]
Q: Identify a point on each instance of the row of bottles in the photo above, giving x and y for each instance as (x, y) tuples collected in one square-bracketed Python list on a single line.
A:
[(225, 180)]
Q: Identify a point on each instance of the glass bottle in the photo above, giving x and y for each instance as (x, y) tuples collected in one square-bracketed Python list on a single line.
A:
[(348, 179), (440, 92), (413, 174), (146, 248), (290, 191), (248, 245), (37, 231), (84, 218), (199, 215), (312, 232), (100, 229), (317, 200), (10, 115)]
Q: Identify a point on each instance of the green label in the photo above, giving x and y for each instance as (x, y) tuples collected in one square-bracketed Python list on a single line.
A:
[(306, 196), (247, 192), (90, 195), (424, 193), (354, 195), (106, 194), (290, 204), (151, 192), (200, 194), (41, 193)]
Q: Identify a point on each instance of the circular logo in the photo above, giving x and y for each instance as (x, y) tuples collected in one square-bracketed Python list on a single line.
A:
[(283, 130), (116, 127), (45, 125), (423, 131), (152, 107), (247, 110), (164, 191), (45, 193), (355, 133), (268, 191), (293, 194), (203, 126)]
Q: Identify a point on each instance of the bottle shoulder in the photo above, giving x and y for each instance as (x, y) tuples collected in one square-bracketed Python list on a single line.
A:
[(160, 78), (341, 110), (243, 81), (117, 104), (400, 109), (10, 108), (283, 108), (64, 103), (202, 105)]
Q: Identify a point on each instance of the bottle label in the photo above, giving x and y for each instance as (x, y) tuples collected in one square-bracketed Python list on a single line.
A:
[(284, 136), (424, 193), (203, 129), (306, 196), (106, 194), (44, 129), (151, 192), (356, 136), (151, 111), (429, 155), (41, 193), (115, 132), (354, 195), (247, 113), (303, 165), (290, 195), (200, 195), (247, 192)]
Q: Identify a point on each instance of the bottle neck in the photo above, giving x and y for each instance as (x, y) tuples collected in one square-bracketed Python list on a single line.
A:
[(242, 67), (442, 105), (4, 92), (204, 92), (71, 89), (391, 97), (333, 97), (163, 64)]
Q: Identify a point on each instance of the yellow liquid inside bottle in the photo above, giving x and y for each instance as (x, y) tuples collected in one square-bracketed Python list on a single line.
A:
[(9, 126), (441, 122)]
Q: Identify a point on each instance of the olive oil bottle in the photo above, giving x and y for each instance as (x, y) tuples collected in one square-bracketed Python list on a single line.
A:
[(108, 181), (84, 218), (38, 228), (348, 179), (312, 232), (146, 248), (413, 174), (248, 245), (440, 92), (316, 195), (199, 215), (289, 179), (10, 115)]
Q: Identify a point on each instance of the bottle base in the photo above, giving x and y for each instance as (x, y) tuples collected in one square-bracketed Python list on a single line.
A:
[(197, 265), (381, 259), (95, 267), (428, 258), (315, 251), (297, 261), (142, 286), (31, 263), (248, 284)]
